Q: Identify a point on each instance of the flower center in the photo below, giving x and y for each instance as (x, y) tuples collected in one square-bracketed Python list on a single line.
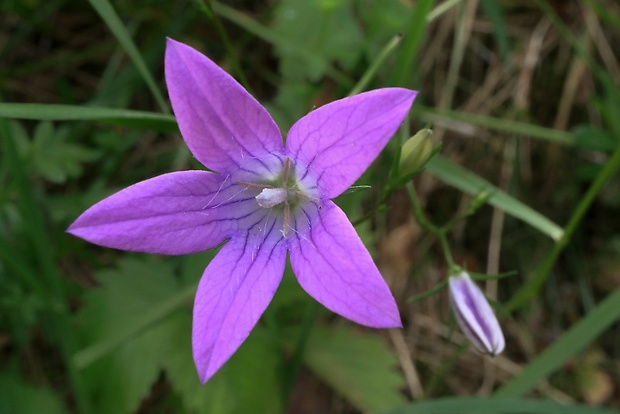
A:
[(282, 193)]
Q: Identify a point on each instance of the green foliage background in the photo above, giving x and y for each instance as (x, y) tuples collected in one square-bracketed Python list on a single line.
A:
[(524, 99)]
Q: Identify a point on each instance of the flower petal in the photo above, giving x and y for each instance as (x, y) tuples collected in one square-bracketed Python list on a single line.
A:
[(224, 126), (233, 293), (334, 267), (176, 213), (474, 315), (338, 141)]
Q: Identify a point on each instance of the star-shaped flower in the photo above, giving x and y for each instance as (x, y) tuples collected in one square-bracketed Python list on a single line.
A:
[(265, 199)]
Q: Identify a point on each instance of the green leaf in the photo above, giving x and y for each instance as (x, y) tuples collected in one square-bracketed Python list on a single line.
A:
[(497, 124), (573, 341), (121, 117), (358, 365), (590, 137), (325, 28), (470, 183), (381, 21), (18, 397), (53, 157), (121, 375), (280, 42), (135, 296), (495, 406), (123, 378), (139, 323)]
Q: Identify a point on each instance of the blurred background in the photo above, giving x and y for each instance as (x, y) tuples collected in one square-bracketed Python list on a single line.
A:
[(524, 102)]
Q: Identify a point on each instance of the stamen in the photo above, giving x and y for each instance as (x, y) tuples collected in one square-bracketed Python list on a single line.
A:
[(253, 185), (287, 219), (286, 171), (304, 196)]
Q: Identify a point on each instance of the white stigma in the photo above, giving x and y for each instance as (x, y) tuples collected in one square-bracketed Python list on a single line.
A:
[(270, 197)]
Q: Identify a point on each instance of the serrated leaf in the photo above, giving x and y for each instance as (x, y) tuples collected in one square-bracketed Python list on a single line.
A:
[(138, 295), (127, 292), (122, 379), (358, 365), (53, 157), (137, 326), (122, 375), (49, 154)]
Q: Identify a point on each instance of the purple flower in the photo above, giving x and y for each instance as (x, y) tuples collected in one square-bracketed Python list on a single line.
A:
[(474, 315), (266, 199)]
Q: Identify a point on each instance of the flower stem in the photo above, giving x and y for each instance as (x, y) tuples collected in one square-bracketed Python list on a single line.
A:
[(533, 285), (427, 225)]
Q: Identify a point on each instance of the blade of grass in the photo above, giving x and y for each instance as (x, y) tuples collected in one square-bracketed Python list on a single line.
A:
[(121, 117), (531, 288), (114, 23), (493, 11), (573, 341), (497, 124), (441, 9), (376, 65), (411, 43), (600, 73), (469, 405), (465, 16), (472, 184)]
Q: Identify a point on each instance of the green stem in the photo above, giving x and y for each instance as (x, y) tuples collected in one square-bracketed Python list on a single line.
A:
[(427, 225), (533, 286)]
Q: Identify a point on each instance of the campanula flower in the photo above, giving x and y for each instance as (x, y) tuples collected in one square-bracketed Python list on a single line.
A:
[(474, 315), (264, 198)]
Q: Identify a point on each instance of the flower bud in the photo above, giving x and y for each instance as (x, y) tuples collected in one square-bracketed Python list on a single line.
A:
[(474, 315), (416, 151)]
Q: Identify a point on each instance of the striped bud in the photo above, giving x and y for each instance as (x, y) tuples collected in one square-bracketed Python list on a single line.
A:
[(474, 315)]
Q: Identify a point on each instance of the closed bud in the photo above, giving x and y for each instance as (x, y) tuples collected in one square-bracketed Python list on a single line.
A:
[(416, 151), (474, 315)]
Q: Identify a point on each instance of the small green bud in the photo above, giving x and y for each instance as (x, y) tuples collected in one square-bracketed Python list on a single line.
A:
[(416, 152)]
